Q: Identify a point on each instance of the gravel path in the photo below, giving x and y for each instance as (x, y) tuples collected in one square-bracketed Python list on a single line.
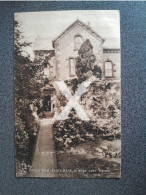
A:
[(44, 160)]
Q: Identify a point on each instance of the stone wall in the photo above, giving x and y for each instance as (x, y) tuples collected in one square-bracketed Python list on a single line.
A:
[(64, 49)]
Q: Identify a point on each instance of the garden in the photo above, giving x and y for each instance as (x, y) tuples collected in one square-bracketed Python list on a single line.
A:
[(96, 143)]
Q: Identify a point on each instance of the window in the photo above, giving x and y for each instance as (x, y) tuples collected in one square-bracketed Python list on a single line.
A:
[(72, 66), (78, 42), (46, 72), (108, 69), (46, 67), (45, 64)]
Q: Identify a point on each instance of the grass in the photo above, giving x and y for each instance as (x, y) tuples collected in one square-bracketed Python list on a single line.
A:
[(83, 161)]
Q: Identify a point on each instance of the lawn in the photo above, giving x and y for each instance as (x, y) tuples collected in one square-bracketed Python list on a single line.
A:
[(90, 160)]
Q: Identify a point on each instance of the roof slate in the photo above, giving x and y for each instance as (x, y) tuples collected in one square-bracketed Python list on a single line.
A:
[(43, 44), (111, 43)]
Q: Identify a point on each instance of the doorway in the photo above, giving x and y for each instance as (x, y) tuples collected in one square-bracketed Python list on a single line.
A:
[(47, 103)]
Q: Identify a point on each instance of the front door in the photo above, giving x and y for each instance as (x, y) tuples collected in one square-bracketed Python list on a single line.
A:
[(47, 103)]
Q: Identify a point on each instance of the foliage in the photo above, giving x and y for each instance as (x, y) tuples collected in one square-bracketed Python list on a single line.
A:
[(26, 90), (101, 103), (103, 112), (20, 44), (21, 139), (73, 131), (86, 67), (86, 62)]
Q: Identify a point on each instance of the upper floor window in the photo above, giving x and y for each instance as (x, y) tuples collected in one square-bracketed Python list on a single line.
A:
[(108, 69), (78, 42)]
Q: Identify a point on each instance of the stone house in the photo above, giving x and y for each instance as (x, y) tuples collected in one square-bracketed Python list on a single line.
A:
[(58, 57)]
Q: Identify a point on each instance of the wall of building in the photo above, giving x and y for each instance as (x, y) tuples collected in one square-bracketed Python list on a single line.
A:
[(116, 60), (64, 49)]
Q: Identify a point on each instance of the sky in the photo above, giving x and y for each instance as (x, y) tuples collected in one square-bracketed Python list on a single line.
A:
[(50, 24)]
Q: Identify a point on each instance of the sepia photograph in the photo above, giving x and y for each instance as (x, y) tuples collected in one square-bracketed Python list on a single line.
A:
[(67, 76)]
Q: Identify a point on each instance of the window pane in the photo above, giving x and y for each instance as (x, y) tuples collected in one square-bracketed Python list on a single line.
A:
[(72, 66), (78, 42), (108, 65), (108, 73), (108, 69), (78, 39)]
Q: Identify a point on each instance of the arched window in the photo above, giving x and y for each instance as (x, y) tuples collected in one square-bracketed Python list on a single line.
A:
[(109, 69), (78, 42)]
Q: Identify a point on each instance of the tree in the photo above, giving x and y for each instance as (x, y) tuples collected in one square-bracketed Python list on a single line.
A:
[(26, 91), (102, 104), (86, 62), (86, 67), (20, 44)]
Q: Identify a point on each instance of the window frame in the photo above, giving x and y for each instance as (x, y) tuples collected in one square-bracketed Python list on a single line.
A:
[(74, 60), (111, 69), (78, 35)]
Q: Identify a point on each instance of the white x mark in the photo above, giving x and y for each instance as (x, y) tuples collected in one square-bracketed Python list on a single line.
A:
[(73, 100)]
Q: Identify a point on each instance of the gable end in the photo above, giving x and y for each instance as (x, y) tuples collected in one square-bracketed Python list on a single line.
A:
[(86, 27)]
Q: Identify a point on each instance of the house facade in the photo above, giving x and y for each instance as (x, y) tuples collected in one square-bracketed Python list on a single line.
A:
[(58, 56)]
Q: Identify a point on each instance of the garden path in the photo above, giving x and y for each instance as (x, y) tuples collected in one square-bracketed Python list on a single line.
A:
[(44, 160)]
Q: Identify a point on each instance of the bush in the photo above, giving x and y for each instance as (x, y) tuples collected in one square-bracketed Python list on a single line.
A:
[(100, 101), (21, 140), (26, 90), (73, 131)]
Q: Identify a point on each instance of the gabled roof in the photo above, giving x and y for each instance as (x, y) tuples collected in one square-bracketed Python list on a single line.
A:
[(43, 44), (46, 44), (78, 22), (111, 43)]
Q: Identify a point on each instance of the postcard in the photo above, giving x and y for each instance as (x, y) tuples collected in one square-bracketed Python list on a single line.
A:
[(67, 94)]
